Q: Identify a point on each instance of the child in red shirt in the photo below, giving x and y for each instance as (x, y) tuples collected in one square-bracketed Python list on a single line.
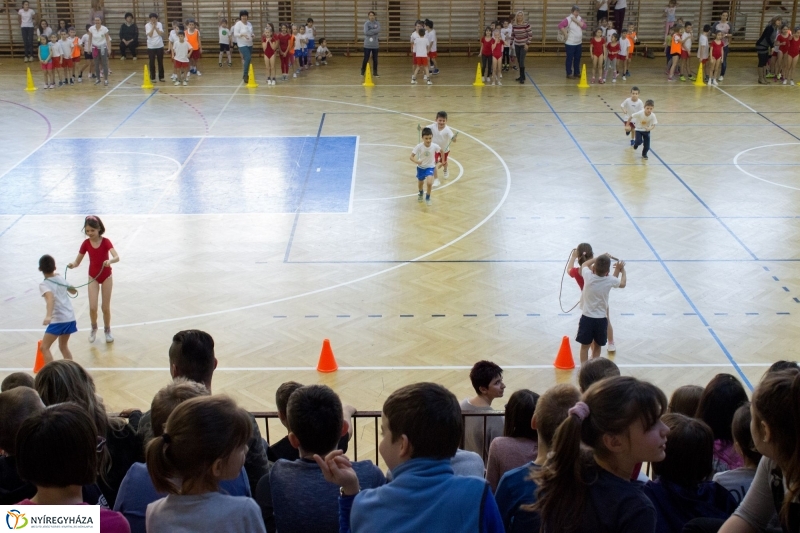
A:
[(486, 54)]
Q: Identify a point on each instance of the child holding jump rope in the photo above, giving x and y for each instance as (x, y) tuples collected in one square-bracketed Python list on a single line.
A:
[(98, 248), (595, 326), (60, 317)]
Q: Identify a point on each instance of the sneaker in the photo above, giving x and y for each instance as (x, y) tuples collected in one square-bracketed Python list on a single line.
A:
[(134, 58), (109, 338), (628, 73), (670, 78), (428, 200), (770, 75), (430, 82), (446, 174), (122, 58), (294, 75), (436, 182), (492, 83), (436, 71), (791, 82), (419, 196), (105, 83), (186, 83), (197, 73), (174, 77), (721, 78), (784, 81), (498, 83), (592, 81), (610, 347), (602, 80), (80, 79), (515, 67), (53, 85), (614, 80), (72, 81), (624, 78), (632, 142), (710, 82), (162, 80), (413, 80), (96, 82), (645, 157), (635, 146), (60, 83), (683, 78), (230, 64), (220, 64), (93, 335), (177, 83), (325, 63), (189, 73), (715, 82)]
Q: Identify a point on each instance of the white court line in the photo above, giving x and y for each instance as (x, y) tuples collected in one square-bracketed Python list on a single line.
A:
[(344, 283), (177, 164), (383, 368), (736, 162), (460, 173), (734, 98), (67, 125)]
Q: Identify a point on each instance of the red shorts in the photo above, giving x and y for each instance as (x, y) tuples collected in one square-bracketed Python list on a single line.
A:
[(66, 62), (57, 62), (76, 59), (180, 64), (47, 66), (703, 61), (432, 55), (628, 125), (684, 54), (442, 157), (621, 57), (195, 54), (420, 60)]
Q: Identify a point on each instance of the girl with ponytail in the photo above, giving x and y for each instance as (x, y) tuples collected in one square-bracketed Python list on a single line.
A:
[(585, 484)]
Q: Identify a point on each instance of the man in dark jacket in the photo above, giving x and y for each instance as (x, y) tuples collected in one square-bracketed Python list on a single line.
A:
[(128, 37)]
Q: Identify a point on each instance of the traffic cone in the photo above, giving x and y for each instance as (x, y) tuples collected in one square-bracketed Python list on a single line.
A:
[(368, 77), (564, 360), (583, 84), (30, 86), (699, 81), (327, 362), (39, 362), (478, 77), (147, 84), (251, 78)]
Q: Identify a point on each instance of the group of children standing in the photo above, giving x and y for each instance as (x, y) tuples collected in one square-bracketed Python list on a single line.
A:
[(424, 51), (60, 55), (292, 50), (612, 52), (497, 51)]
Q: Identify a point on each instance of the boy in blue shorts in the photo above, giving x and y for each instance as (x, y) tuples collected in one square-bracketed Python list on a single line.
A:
[(424, 156), (60, 317)]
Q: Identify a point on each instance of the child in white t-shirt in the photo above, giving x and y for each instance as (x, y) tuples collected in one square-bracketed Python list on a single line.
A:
[(686, 50), (421, 47), (644, 122), (505, 34), (225, 37), (173, 38), (622, 56), (631, 105), (60, 317), (55, 54), (442, 136), (323, 54), (430, 34), (593, 327), (424, 156), (182, 53)]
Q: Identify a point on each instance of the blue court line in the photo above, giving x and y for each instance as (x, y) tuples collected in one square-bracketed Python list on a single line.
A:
[(697, 197), (303, 191), (779, 126), (646, 240), (152, 94)]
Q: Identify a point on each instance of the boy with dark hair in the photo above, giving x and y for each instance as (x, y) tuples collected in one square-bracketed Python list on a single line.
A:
[(16, 406), (593, 326), (60, 317), (594, 370), (17, 379), (283, 449), (516, 487), (644, 121), (421, 427), (487, 380), (424, 156), (316, 424)]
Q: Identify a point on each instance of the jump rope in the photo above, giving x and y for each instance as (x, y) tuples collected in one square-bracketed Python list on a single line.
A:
[(561, 288), (102, 267)]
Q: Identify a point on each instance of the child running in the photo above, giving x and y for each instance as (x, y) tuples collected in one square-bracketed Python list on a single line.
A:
[(269, 43), (598, 43), (631, 105), (585, 485), (46, 60), (60, 317), (612, 52), (581, 254), (717, 48), (424, 156), (644, 122), (593, 326), (225, 39), (421, 49), (443, 137), (98, 248)]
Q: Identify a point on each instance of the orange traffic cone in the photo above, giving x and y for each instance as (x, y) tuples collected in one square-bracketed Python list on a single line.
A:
[(39, 363), (327, 362), (564, 360)]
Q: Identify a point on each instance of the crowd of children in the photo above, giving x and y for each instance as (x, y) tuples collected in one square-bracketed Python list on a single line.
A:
[(568, 459)]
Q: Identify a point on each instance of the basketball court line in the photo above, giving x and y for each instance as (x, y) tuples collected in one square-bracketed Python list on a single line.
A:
[(648, 243)]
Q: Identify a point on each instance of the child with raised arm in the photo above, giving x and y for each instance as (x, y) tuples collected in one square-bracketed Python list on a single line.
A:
[(593, 327), (424, 156), (60, 317)]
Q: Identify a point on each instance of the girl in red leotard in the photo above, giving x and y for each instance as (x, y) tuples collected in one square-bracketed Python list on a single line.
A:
[(598, 54), (792, 54), (284, 50), (269, 43), (98, 248)]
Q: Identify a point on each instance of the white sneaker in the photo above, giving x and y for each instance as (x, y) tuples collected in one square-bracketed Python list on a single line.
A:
[(93, 335), (791, 82), (611, 348), (499, 82), (109, 338), (134, 59), (430, 82), (428, 201), (710, 82), (446, 174), (425, 77), (436, 182), (784, 81), (177, 83), (294, 75), (492, 83), (186, 83), (122, 58), (721, 78), (197, 73), (624, 78), (413, 80)]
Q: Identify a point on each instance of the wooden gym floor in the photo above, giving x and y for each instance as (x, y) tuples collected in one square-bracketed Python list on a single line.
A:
[(274, 218)]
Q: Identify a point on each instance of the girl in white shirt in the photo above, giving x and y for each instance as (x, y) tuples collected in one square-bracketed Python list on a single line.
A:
[(26, 17)]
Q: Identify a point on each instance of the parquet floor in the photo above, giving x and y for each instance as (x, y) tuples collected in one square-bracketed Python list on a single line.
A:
[(710, 225)]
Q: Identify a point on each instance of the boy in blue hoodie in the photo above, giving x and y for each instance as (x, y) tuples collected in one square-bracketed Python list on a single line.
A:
[(421, 426)]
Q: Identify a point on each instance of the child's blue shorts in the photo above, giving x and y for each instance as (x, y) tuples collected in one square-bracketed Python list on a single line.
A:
[(311, 44), (423, 173), (62, 328)]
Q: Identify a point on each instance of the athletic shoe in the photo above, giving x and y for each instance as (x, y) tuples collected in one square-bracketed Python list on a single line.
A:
[(710, 82), (627, 72), (446, 174), (173, 77), (645, 157), (614, 80), (419, 197), (770, 75), (425, 77), (498, 82), (791, 82), (220, 64), (53, 85), (80, 79), (109, 338), (670, 79), (186, 83), (177, 83), (784, 81), (721, 78), (624, 77), (230, 64), (436, 182), (635, 146), (413, 80), (715, 82), (515, 67), (436, 71), (294, 75), (491, 83), (197, 73), (430, 82), (122, 58), (162, 80), (611, 348), (602, 80), (325, 63), (683, 78), (428, 201), (96, 82), (60, 83), (592, 81), (316, 64), (106, 83), (134, 58), (93, 335), (632, 142)]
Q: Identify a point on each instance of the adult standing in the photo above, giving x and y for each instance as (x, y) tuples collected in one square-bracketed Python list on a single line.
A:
[(27, 20), (724, 27), (372, 30), (572, 27), (522, 34), (602, 9), (155, 46), (243, 33), (764, 47), (101, 44), (619, 15), (128, 37)]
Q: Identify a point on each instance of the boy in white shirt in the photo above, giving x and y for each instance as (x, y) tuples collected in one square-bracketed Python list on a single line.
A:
[(686, 49), (181, 53), (173, 38), (622, 56), (442, 137), (311, 36), (630, 106), (323, 54), (593, 327), (414, 36), (225, 37), (703, 49), (644, 121), (55, 54), (505, 34), (421, 47), (424, 156), (430, 34), (66, 57), (60, 317)]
